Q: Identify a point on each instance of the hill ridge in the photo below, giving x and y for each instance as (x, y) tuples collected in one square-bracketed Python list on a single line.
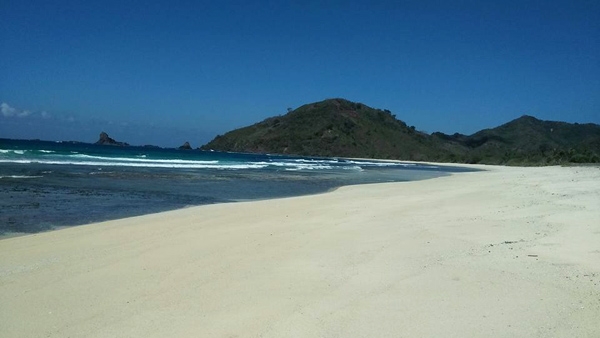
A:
[(339, 127)]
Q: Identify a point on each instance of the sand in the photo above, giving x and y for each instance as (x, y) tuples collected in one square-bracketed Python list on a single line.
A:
[(509, 252)]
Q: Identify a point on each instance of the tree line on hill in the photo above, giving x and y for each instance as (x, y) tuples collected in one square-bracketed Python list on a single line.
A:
[(341, 128)]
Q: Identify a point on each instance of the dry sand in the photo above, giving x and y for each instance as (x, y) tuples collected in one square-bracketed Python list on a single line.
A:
[(511, 252)]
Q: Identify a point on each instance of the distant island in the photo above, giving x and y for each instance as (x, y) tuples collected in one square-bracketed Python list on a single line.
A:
[(105, 140), (341, 128), (185, 146)]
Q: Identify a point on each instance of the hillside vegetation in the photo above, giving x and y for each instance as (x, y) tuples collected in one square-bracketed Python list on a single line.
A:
[(338, 127)]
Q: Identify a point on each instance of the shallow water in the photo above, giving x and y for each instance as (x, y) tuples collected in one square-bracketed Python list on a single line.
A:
[(44, 185)]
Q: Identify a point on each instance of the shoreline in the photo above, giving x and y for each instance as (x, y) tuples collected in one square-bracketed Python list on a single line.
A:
[(503, 252), (59, 227)]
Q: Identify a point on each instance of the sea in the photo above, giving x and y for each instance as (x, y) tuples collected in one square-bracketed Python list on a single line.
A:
[(48, 185)]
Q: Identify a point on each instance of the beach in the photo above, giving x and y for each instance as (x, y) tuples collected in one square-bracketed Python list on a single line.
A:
[(505, 252)]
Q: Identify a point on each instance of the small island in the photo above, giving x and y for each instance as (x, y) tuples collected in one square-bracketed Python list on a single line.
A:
[(185, 146), (106, 140)]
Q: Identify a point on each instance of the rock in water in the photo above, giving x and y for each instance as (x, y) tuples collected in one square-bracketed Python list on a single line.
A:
[(186, 146), (106, 140)]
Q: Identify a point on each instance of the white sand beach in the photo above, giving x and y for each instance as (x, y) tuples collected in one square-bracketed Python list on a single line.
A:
[(508, 252)]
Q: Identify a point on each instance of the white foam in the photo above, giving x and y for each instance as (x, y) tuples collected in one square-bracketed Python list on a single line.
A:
[(16, 161), (382, 164), (6, 151), (296, 166), (301, 160), (145, 165), (141, 160), (19, 176), (356, 162)]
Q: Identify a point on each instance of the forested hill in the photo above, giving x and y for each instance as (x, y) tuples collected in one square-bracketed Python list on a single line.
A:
[(338, 127), (528, 140)]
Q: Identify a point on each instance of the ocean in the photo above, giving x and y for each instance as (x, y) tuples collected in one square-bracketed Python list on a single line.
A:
[(47, 185)]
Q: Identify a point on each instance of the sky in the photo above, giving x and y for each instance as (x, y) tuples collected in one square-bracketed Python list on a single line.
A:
[(166, 72)]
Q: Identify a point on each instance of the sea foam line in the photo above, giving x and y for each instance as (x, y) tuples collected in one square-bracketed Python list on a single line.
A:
[(19, 176), (6, 151), (194, 165), (141, 160), (144, 165), (295, 165)]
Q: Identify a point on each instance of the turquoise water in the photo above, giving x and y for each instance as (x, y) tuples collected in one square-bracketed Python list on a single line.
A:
[(44, 185)]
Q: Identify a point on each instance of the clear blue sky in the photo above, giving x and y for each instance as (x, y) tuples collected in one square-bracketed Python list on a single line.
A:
[(165, 72)]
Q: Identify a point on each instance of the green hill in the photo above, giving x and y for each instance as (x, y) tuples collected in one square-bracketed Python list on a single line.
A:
[(338, 127), (528, 140), (334, 127)]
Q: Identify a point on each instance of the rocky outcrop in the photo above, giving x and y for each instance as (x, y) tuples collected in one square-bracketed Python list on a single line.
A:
[(106, 140), (185, 146)]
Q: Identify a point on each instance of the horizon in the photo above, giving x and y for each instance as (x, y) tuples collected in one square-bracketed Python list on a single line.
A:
[(169, 73)]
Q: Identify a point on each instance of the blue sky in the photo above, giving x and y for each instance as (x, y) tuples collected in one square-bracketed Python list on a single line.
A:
[(165, 72)]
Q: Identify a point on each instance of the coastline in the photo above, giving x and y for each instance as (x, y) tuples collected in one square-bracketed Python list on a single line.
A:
[(503, 252), (47, 198)]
